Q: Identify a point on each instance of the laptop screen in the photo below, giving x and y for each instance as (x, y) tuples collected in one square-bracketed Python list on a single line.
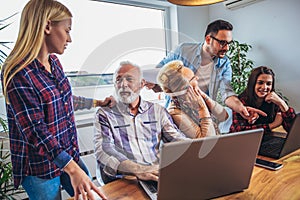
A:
[(208, 167)]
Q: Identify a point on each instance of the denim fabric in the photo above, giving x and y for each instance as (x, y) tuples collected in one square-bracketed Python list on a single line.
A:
[(49, 189), (42, 189), (65, 178), (190, 55), (219, 85), (225, 126)]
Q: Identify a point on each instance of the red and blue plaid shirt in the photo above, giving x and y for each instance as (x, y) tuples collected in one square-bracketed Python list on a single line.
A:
[(241, 124), (40, 115)]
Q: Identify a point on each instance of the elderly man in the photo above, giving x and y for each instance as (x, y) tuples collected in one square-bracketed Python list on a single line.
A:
[(128, 136)]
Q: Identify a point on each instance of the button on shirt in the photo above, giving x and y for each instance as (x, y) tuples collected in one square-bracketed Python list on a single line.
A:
[(41, 122), (120, 136)]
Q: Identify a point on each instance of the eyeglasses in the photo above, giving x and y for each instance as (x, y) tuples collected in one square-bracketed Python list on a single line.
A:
[(222, 43)]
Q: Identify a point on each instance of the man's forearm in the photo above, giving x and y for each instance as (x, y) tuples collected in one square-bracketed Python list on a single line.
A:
[(234, 103), (129, 167)]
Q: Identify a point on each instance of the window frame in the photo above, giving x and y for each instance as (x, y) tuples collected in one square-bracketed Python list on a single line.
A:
[(170, 39), (169, 10)]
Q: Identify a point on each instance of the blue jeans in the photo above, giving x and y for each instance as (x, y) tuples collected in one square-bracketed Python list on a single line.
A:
[(49, 189)]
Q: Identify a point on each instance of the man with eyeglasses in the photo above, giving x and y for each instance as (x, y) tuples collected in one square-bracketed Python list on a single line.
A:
[(209, 62)]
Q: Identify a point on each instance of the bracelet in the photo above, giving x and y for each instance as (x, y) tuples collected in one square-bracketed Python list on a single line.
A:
[(204, 118)]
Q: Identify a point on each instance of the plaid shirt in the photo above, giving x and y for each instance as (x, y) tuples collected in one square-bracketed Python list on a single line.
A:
[(241, 124), (120, 136), (41, 122)]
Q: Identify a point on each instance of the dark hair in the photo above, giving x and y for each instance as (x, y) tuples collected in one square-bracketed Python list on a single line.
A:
[(217, 25), (249, 93)]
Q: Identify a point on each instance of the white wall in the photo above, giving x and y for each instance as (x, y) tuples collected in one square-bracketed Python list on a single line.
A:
[(270, 26), (192, 22)]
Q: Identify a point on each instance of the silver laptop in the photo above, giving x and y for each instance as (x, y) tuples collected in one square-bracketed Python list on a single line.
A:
[(207, 167), (277, 147)]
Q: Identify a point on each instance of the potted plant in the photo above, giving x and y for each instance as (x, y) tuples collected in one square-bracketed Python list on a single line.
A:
[(240, 64), (3, 44), (7, 190), (242, 67)]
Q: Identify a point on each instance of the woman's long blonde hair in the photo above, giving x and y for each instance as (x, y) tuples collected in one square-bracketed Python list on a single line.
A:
[(34, 19)]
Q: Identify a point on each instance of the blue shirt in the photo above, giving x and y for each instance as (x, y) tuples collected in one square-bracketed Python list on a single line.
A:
[(190, 55)]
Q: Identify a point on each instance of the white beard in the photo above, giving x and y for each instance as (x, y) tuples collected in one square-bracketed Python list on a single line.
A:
[(127, 99)]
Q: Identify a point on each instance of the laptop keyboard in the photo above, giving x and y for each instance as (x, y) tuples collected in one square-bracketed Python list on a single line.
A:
[(151, 185), (272, 146)]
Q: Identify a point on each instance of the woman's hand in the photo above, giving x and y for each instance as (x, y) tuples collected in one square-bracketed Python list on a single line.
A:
[(196, 102), (81, 182), (274, 98), (198, 91), (108, 101), (153, 86)]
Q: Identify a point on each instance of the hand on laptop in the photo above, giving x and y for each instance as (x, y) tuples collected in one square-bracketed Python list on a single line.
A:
[(143, 172), (148, 173)]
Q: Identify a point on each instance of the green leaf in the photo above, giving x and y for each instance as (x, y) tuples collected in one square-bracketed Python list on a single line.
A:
[(240, 64)]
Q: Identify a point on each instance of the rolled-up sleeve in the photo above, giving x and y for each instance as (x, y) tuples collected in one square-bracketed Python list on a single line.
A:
[(80, 103)]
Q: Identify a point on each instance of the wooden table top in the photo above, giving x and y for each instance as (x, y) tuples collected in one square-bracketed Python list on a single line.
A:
[(264, 184), (268, 184)]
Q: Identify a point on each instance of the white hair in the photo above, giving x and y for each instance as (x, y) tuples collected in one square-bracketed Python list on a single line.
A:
[(122, 63)]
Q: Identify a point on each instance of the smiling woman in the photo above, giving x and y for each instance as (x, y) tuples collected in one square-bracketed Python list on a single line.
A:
[(260, 93)]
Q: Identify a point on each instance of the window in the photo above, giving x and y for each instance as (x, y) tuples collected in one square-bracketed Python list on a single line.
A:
[(105, 33)]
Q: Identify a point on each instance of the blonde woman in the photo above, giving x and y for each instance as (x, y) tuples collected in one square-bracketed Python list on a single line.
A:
[(192, 110), (43, 138)]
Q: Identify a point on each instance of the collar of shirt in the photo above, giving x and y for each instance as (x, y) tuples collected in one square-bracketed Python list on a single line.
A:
[(143, 106)]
